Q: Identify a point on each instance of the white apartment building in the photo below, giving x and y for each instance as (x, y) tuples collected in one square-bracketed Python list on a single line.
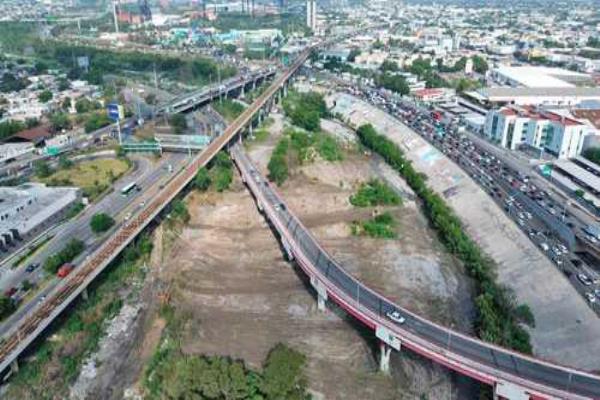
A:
[(559, 135)]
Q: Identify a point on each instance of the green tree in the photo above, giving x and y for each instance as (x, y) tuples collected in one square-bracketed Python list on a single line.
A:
[(278, 168), (26, 285), (40, 67), (389, 66), (64, 162), (42, 169), (71, 250), (96, 121), (202, 180), (178, 123), (60, 121), (283, 376), (7, 307), (45, 96), (32, 122), (479, 64), (101, 222), (353, 54), (395, 83)]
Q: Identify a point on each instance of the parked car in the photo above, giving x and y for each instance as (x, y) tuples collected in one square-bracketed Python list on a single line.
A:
[(32, 267)]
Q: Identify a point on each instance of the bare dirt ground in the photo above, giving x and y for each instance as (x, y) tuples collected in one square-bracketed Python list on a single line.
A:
[(225, 272)]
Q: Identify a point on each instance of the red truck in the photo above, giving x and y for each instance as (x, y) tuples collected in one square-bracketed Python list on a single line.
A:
[(65, 270)]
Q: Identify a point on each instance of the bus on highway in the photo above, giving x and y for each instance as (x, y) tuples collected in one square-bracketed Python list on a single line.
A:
[(129, 188)]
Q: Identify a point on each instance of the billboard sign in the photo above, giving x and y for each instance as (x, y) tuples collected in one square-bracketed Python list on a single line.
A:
[(116, 111)]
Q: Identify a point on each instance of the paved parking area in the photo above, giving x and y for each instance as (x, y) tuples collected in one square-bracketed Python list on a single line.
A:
[(567, 330)]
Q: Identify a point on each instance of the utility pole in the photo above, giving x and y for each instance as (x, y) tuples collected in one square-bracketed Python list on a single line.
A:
[(115, 16)]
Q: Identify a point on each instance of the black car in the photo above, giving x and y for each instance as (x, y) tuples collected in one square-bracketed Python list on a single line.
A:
[(32, 267)]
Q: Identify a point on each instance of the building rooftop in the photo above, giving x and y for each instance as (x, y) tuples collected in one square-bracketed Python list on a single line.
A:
[(536, 77), (26, 206), (499, 93)]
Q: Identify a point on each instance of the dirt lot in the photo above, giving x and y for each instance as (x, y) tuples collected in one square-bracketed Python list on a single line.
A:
[(226, 273)]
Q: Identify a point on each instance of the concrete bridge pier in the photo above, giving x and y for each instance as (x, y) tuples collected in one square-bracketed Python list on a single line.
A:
[(14, 366), (321, 293), (84, 294), (385, 351)]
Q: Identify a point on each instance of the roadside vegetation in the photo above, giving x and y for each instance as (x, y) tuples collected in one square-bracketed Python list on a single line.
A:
[(305, 110), (278, 164), (191, 70), (298, 147), (218, 175), (68, 253), (101, 222), (228, 108), (173, 374), (53, 365), (499, 317), (375, 193), (381, 226), (93, 177)]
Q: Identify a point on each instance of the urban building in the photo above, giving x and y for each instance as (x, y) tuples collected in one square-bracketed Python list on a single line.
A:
[(549, 131), (311, 14), (538, 77), (29, 209), (538, 96)]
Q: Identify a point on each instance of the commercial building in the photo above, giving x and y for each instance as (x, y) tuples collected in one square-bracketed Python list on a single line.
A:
[(10, 151), (29, 209), (549, 131), (547, 96), (538, 77)]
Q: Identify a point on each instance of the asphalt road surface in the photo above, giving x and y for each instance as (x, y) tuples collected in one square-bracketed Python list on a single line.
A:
[(475, 350), (148, 175)]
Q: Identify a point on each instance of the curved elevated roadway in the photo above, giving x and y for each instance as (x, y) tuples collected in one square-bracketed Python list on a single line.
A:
[(514, 375)]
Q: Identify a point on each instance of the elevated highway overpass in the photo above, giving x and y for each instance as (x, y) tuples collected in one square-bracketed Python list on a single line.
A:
[(514, 376)]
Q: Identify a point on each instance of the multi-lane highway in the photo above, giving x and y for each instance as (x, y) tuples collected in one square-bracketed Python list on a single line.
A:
[(24, 332), (149, 176), (469, 356)]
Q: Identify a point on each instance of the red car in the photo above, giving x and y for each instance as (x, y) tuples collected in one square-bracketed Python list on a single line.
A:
[(64, 270)]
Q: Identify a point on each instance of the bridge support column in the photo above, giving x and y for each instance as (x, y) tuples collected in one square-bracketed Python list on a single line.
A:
[(285, 90), (85, 295), (384, 357), (243, 92), (14, 366), (321, 303), (321, 293)]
